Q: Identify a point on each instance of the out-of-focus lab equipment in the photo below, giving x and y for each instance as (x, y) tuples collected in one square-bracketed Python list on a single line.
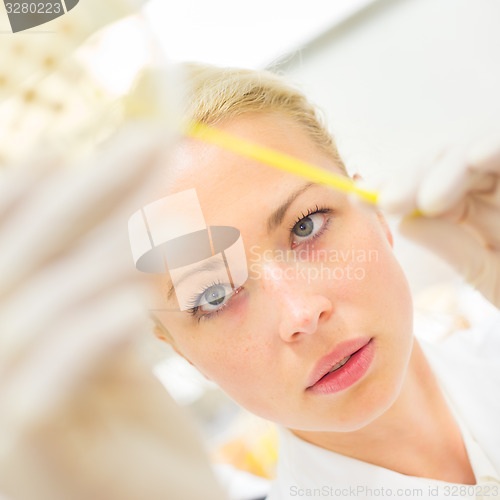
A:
[(82, 415)]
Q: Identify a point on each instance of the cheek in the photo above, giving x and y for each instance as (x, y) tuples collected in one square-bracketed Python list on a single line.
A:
[(375, 266), (374, 293), (235, 356), (387, 295), (244, 370), (358, 264)]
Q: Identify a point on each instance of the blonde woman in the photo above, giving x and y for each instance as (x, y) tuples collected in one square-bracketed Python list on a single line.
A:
[(319, 338)]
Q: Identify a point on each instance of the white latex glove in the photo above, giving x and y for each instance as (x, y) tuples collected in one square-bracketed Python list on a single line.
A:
[(458, 196), (81, 415)]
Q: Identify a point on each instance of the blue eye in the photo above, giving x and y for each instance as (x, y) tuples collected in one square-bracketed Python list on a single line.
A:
[(212, 300), (307, 227), (214, 297)]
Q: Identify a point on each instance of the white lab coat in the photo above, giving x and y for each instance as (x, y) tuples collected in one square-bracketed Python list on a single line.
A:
[(467, 365)]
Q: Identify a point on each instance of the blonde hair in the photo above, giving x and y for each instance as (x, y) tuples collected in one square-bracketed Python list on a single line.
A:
[(216, 94)]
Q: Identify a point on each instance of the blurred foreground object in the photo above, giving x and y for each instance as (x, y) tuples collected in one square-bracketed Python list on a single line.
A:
[(58, 85), (250, 444), (81, 414)]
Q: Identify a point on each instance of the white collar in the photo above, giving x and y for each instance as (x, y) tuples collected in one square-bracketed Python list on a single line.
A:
[(306, 470), (481, 465)]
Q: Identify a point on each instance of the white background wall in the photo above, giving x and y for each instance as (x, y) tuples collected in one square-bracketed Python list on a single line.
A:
[(401, 78), (247, 34)]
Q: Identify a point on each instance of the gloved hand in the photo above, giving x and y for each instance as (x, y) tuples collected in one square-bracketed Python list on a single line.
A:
[(458, 201), (82, 415)]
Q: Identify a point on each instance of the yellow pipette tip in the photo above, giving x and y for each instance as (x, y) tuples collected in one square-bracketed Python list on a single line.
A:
[(268, 156)]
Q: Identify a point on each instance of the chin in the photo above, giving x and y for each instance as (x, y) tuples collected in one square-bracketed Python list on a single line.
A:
[(378, 399), (344, 419)]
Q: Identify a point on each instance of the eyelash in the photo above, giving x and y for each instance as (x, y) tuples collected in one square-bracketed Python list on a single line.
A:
[(312, 211), (194, 310), (199, 317)]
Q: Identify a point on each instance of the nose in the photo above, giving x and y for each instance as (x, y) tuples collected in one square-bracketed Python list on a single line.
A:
[(302, 306)]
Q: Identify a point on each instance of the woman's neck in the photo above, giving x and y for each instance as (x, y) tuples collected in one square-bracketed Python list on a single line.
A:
[(417, 435)]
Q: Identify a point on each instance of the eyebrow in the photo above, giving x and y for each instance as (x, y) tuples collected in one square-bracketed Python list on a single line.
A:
[(276, 218), (206, 266)]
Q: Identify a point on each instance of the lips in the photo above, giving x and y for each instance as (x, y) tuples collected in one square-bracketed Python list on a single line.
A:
[(334, 361), (340, 364)]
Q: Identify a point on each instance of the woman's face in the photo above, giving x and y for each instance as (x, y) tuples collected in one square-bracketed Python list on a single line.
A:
[(323, 283)]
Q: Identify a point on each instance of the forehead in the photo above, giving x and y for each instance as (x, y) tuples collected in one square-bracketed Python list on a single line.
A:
[(229, 187)]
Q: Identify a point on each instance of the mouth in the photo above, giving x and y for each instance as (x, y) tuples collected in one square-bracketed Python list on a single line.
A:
[(339, 364), (344, 366)]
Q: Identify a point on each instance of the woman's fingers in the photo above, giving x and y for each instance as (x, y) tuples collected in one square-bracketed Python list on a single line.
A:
[(457, 198), (458, 174), (465, 189), (483, 218), (400, 191), (460, 248), (484, 156), (445, 185), (441, 182)]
